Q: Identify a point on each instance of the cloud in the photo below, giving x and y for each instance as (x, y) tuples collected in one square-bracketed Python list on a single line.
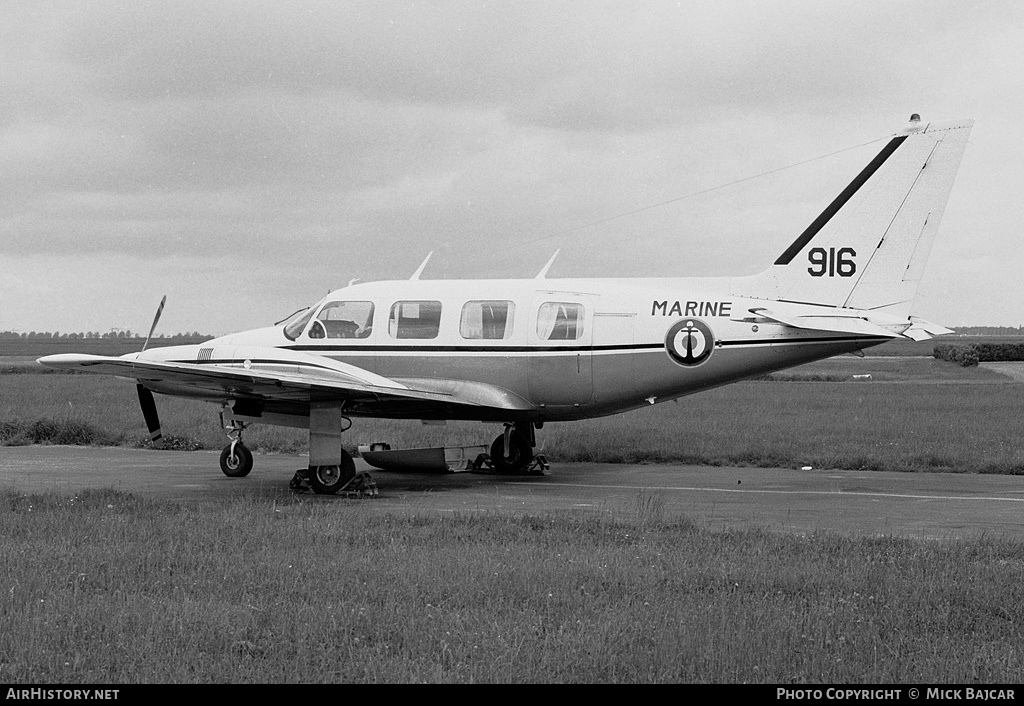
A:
[(356, 136)]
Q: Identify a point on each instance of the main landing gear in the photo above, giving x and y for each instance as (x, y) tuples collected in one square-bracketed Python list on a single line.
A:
[(328, 480), (512, 450), (335, 480), (331, 469)]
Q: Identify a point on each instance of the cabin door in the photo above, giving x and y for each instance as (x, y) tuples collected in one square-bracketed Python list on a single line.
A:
[(561, 336)]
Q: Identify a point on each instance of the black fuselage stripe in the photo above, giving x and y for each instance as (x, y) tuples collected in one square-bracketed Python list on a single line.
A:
[(840, 201), (440, 349), (254, 361), (828, 339)]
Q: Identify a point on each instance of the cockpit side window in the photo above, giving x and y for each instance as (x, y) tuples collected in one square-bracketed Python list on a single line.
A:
[(343, 320)]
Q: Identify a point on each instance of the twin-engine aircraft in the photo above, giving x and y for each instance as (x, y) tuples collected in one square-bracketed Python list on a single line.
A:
[(527, 352)]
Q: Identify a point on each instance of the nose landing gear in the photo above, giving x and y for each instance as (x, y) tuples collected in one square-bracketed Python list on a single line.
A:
[(236, 458)]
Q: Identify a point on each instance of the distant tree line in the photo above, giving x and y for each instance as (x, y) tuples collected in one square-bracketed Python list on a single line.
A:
[(36, 343), (110, 335), (989, 331)]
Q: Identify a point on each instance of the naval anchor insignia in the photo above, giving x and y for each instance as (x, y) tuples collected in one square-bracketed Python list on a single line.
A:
[(689, 342)]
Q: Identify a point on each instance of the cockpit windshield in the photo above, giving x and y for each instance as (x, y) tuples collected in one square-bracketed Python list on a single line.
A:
[(295, 323)]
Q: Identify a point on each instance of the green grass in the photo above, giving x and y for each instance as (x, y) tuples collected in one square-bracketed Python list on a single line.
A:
[(902, 369), (12, 365), (109, 409), (65, 431), (900, 427), (105, 587)]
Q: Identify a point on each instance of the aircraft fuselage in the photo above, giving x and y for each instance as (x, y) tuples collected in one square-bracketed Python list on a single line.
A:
[(571, 349)]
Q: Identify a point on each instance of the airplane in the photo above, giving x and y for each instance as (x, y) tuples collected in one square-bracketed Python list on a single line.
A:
[(525, 352)]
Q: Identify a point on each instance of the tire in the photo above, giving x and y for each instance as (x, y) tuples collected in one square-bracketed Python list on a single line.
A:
[(328, 480), (520, 453), (238, 465)]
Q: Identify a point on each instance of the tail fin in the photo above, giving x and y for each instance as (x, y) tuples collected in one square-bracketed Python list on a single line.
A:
[(868, 249)]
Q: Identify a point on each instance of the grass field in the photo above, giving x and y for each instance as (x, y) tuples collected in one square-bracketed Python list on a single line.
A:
[(110, 588)]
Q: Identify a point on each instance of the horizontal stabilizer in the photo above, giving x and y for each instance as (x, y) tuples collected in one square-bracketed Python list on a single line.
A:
[(853, 322), (921, 330)]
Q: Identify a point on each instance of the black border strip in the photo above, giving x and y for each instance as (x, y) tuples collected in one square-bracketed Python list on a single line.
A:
[(840, 201)]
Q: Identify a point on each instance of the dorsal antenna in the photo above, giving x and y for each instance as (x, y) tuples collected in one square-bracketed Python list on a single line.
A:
[(544, 270), (419, 270)]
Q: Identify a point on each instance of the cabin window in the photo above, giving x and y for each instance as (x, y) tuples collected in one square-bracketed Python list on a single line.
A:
[(560, 321), (415, 319), (293, 329), (490, 320), (343, 320)]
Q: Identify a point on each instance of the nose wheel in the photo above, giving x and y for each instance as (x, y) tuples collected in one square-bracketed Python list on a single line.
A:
[(236, 462), (236, 458)]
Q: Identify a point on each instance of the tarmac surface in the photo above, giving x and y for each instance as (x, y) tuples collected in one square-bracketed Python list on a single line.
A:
[(919, 505)]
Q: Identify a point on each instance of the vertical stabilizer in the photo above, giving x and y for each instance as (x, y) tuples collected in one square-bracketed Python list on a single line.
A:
[(868, 248)]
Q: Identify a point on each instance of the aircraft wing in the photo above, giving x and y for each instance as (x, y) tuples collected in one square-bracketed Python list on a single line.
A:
[(288, 381)]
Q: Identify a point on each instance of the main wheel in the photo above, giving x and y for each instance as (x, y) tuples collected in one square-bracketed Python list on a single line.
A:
[(238, 464), (328, 480), (520, 453)]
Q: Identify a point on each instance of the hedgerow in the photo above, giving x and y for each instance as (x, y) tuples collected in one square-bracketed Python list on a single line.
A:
[(973, 353)]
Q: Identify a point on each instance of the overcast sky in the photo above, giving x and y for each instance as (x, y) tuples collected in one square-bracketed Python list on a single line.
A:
[(244, 158)]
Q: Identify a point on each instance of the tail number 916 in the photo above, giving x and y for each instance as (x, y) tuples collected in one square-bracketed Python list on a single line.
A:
[(832, 262)]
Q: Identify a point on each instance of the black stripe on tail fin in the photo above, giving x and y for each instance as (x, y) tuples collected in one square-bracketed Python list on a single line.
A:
[(840, 201)]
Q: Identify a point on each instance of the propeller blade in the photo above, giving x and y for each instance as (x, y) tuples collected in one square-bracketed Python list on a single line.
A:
[(149, 412), (159, 310)]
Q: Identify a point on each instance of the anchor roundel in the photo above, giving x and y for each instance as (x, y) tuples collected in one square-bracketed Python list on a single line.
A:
[(689, 342)]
